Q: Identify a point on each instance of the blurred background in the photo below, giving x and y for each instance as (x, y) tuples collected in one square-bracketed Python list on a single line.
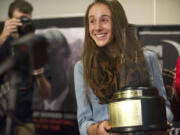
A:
[(146, 12)]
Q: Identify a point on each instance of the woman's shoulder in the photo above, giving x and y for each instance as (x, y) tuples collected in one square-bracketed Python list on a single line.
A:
[(78, 63), (150, 54), (78, 66)]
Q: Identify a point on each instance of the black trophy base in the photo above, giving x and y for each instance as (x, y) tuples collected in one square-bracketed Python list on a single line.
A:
[(139, 129)]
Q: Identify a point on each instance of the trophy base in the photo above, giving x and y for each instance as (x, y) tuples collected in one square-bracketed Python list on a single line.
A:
[(139, 129)]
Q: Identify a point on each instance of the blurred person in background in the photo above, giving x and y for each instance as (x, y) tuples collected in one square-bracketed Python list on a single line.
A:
[(14, 28)]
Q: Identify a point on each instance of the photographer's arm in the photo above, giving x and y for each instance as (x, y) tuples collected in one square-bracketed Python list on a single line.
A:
[(44, 87), (2, 39)]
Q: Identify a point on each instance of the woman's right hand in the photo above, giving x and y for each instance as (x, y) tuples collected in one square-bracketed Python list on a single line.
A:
[(103, 128)]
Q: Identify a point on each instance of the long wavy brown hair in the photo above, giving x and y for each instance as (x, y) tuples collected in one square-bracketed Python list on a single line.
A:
[(103, 65)]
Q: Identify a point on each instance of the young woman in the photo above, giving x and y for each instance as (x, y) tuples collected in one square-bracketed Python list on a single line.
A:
[(98, 74)]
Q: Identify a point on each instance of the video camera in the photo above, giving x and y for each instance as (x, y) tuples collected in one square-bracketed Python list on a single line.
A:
[(27, 26), (31, 51)]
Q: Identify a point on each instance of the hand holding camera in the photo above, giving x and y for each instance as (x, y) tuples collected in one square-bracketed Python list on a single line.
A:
[(22, 26), (10, 26)]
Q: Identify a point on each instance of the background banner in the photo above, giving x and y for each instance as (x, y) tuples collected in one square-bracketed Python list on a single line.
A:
[(57, 114), (164, 40)]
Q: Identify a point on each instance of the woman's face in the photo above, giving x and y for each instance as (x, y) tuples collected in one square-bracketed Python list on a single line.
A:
[(100, 24)]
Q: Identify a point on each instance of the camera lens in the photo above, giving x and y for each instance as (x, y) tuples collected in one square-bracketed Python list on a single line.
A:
[(27, 26)]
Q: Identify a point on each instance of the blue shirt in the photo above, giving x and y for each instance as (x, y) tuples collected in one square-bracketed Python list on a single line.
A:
[(90, 112)]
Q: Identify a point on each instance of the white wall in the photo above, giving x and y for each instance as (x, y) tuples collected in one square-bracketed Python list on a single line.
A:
[(138, 11), (4, 9), (152, 11), (59, 8)]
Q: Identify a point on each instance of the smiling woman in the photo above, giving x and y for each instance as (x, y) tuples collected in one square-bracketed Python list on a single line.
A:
[(100, 24), (108, 43)]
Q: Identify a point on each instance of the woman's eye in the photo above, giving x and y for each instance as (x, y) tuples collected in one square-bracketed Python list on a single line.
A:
[(105, 20), (91, 21)]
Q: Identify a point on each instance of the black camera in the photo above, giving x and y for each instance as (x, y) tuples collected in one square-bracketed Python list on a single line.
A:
[(27, 26)]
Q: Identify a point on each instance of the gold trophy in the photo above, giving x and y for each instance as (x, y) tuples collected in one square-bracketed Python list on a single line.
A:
[(137, 109)]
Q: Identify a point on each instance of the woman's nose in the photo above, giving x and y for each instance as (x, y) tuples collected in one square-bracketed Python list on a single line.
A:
[(98, 26)]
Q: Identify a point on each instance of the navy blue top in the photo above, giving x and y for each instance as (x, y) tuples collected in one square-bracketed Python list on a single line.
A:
[(4, 53), (5, 49)]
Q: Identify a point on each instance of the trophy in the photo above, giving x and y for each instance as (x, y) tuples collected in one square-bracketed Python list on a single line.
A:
[(136, 106), (137, 109)]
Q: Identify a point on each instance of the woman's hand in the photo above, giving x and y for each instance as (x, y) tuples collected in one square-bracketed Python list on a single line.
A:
[(103, 128)]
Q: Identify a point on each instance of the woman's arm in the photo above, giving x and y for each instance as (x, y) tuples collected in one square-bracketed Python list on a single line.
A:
[(84, 109), (157, 80), (85, 113)]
